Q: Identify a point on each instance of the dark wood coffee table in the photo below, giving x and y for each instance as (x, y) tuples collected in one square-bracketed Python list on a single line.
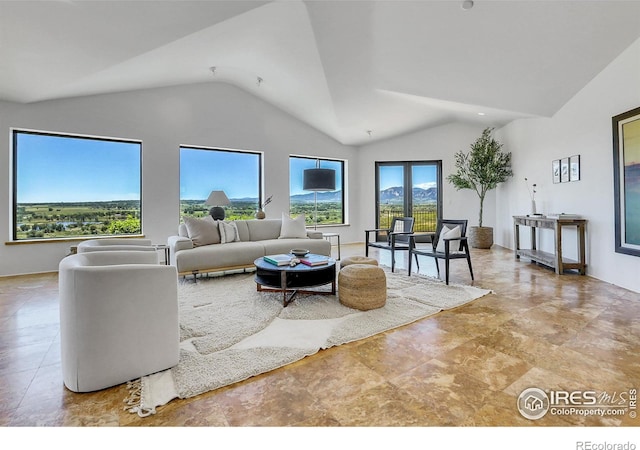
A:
[(294, 280)]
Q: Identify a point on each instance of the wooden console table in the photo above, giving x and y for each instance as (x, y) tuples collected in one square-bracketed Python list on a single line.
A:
[(553, 260)]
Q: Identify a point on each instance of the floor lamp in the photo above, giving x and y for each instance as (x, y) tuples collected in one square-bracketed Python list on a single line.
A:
[(318, 180)]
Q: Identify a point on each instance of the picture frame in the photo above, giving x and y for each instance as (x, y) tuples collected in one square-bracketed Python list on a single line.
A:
[(564, 170), (626, 179), (574, 168), (555, 170)]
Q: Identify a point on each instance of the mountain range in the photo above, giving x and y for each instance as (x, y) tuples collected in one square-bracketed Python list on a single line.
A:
[(390, 195), (396, 195)]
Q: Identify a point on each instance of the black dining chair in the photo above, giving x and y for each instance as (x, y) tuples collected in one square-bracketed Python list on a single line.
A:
[(397, 237), (449, 242)]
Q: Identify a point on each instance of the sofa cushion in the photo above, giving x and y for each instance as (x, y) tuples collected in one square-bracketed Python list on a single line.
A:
[(293, 228), (263, 229), (228, 232), (234, 254), (202, 231), (448, 233)]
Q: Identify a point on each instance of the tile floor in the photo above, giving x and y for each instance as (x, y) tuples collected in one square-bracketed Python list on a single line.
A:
[(464, 367)]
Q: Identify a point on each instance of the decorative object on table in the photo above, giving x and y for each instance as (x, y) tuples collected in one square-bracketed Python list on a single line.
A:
[(318, 180), (555, 170), (482, 169), (626, 181), (564, 170), (532, 193), (217, 199), (260, 214), (574, 168), (314, 260), (299, 251), (279, 260), (244, 333)]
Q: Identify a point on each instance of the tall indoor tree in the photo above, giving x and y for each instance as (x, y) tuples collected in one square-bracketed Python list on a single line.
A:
[(481, 170)]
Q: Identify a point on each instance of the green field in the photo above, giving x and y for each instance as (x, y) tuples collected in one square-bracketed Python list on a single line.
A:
[(69, 220), (328, 212), (425, 215)]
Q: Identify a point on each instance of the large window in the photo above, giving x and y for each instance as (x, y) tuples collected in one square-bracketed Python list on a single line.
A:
[(330, 205), (237, 173), (409, 189), (68, 186)]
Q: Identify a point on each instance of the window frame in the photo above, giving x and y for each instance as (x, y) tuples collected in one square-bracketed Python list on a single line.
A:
[(14, 134), (342, 187), (259, 154), (407, 186)]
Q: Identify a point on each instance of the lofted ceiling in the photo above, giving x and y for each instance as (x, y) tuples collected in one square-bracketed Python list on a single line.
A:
[(356, 70)]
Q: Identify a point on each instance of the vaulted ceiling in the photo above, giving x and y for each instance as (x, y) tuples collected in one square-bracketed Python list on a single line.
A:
[(355, 70)]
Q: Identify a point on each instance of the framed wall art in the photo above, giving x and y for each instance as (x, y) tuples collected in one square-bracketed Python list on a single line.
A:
[(626, 179), (574, 168), (564, 170), (555, 170)]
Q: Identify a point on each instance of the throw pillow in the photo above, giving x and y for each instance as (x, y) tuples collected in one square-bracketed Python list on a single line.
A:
[(202, 231), (293, 228), (448, 233), (228, 232)]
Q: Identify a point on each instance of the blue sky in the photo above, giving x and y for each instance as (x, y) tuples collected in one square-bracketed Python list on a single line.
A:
[(57, 169), (203, 171), (423, 176), (70, 169)]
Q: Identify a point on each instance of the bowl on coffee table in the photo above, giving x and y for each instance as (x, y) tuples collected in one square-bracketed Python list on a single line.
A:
[(299, 252)]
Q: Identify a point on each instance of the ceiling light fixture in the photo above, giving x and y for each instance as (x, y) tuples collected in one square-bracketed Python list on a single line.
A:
[(260, 80), (213, 70), (369, 132), (481, 114), (467, 4)]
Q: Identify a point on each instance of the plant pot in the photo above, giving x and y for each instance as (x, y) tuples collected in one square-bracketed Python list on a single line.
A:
[(481, 237), (260, 214)]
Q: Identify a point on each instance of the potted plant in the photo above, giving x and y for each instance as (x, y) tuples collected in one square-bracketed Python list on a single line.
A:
[(482, 169)]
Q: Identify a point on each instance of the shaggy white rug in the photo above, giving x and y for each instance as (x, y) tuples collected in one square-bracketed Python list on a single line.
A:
[(230, 332)]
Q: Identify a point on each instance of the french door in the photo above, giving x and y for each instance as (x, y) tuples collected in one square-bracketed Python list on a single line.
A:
[(409, 189)]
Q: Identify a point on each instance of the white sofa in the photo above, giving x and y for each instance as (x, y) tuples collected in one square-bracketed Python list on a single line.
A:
[(197, 249), (118, 318)]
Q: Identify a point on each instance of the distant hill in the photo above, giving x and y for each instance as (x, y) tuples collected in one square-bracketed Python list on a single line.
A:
[(389, 195), (334, 196), (396, 195)]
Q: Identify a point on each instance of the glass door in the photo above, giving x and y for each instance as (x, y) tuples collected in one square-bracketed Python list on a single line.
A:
[(409, 189)]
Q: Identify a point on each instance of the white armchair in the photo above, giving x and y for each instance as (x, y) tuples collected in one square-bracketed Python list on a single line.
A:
[(118, 318), (110, 244)]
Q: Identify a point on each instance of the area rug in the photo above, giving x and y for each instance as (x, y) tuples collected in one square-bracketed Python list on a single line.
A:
[(230, 332)]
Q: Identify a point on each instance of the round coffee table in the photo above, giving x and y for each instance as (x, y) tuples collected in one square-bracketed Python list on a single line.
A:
[(293, 280)]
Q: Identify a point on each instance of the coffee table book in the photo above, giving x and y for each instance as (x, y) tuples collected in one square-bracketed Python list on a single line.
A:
[(314, 260), (278, 260)]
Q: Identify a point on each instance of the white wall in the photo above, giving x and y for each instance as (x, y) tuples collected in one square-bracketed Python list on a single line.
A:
[(582, 127), (440, 143), (210, 114)]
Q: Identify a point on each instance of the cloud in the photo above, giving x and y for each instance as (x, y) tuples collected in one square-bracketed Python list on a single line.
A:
[(426, 186)]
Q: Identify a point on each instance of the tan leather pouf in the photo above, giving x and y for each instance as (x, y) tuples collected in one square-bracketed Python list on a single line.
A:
[(362, 286), (357, 260)]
